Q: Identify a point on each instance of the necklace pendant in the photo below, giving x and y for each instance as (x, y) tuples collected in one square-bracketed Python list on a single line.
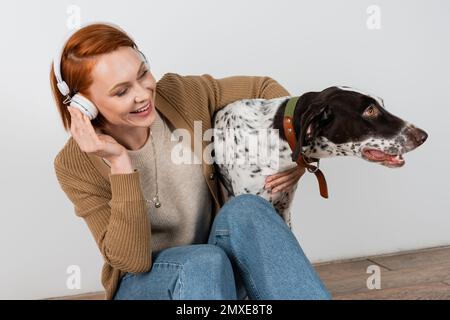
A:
[(157, 203)]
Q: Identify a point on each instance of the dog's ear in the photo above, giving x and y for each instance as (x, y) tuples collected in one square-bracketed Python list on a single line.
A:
[(315, 117), (317, 121)]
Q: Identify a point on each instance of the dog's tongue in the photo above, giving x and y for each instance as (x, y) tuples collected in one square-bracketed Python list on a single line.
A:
[(378, 155)]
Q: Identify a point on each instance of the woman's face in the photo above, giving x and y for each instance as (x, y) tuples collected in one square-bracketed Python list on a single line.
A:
[(122, 84)]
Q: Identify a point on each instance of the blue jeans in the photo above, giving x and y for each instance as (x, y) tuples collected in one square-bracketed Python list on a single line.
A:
[(251, 252)]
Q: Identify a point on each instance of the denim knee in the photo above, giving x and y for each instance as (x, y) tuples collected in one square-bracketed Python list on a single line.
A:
[(207, 256), (246, 206), (208, 275)]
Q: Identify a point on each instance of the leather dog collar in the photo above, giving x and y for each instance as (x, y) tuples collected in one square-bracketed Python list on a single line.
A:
[(302, 160)]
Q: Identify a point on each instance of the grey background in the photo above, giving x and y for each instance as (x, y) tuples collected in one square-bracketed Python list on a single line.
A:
[(305, 45)]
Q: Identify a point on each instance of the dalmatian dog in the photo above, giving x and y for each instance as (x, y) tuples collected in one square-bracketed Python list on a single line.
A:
[(338, 121)]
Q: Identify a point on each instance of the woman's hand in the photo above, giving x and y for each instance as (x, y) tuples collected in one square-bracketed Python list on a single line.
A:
[(91, 141), (284, 181)]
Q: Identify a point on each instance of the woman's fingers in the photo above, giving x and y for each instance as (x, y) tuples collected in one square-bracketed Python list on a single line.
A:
[(73, 120), (83, 131), (75, 113), (278, 175), (287, 185), (278, 184), (90, 139), (284, 180), (279, 178), (90, 128), (75, 116)]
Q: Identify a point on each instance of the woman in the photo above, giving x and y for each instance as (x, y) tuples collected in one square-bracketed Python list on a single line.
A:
[(157, 223)]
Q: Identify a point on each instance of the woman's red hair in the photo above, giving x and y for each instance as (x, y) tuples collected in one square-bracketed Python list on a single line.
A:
[(79, 58)]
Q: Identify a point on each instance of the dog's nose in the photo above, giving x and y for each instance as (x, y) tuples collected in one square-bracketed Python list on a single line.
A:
[(420, 136), (415, 137)]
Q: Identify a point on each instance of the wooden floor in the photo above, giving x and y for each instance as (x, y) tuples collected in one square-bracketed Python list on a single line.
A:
[(423, 274)]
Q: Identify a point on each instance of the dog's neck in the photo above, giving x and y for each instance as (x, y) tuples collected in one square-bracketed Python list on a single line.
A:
[(279, 116)]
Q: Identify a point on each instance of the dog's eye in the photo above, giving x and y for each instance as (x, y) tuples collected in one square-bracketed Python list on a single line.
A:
[(371, 112)]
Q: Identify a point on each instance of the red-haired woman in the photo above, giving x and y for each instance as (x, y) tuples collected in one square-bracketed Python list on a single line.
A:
[(162, 227)]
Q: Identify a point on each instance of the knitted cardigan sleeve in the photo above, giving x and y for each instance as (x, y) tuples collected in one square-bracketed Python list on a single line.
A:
[(207, 93), (116, 216)]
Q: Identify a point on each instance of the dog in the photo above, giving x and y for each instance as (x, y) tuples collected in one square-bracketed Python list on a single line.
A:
[(338, 121)]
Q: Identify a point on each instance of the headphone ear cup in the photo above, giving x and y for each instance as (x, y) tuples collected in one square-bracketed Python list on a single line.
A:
[(85, 105)]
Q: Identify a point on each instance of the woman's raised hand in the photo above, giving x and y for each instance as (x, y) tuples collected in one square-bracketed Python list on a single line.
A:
[(91, 141)]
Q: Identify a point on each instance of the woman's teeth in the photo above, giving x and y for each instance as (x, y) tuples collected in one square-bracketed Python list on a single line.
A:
[(141, 110)]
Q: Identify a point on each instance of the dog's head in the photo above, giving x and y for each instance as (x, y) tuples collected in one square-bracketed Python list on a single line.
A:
[(343, 121)]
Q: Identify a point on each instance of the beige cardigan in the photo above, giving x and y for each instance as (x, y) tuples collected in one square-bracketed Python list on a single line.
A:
[(113, 206)]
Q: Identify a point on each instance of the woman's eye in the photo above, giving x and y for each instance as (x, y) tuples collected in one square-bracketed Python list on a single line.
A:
[(121, 93), (144, 73)]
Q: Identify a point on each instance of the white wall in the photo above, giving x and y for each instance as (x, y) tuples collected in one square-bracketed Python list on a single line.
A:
[(305, 45)]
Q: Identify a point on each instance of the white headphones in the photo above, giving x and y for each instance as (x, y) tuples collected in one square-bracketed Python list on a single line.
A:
[(79, 101)]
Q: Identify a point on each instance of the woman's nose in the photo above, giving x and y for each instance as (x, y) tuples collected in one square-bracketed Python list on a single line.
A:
[(143, 93)]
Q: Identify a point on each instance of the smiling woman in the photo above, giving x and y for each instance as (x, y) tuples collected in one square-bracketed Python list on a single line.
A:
[(115, 165), (123, 86), (123, 82)]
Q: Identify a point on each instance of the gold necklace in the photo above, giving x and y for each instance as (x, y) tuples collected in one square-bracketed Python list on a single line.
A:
[(155, 199)]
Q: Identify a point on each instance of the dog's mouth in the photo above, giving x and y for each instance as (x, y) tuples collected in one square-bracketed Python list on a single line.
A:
[(383, 158)]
